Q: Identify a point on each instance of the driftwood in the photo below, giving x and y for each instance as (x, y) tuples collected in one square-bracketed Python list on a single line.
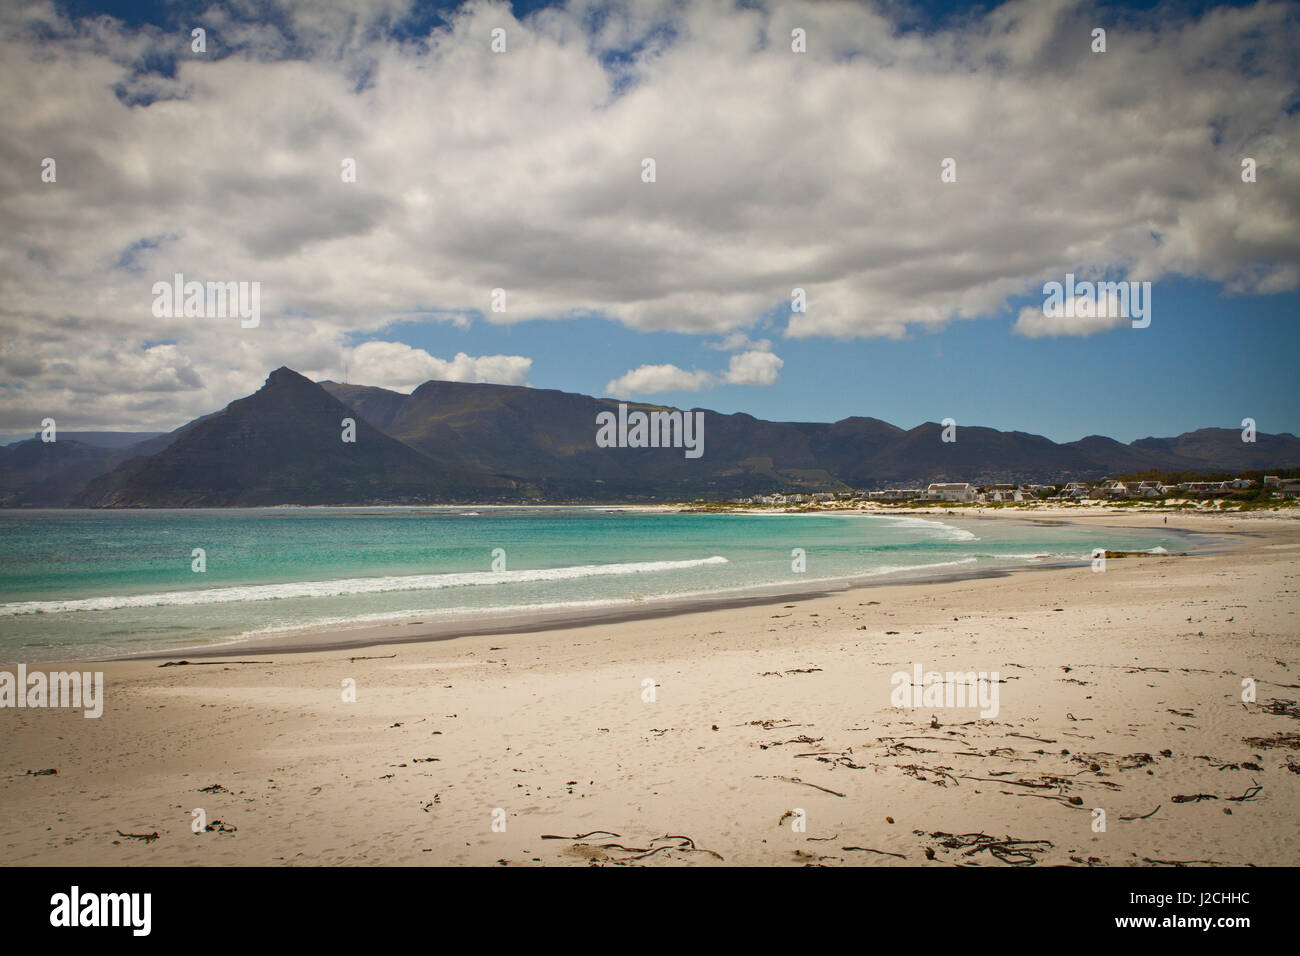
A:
[(147, 837)]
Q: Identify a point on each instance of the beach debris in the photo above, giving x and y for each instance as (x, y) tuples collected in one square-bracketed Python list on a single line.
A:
[(382, 657), (1009, 850), (218, 826), (209, 663), (801, 739), (213, 788), (1134, 761), (580, 836), (1147, 859), (778, 723), (1286, 741), (814, 859), (146, 837), (867, 849), (941, 774), (805, 783), (1217, 765), (41, 773), (1283, 708), (1145, 816), (621, 855), (1192, 797), (834, 759), (1250, 794)]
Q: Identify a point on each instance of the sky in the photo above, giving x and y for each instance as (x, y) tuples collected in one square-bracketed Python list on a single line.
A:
[(920, 171)]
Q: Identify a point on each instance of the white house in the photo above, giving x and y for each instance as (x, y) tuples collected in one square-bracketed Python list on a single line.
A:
[(950, 491)]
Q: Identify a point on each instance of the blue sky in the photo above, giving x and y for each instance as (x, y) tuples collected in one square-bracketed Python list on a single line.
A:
[(1207, 359), (775, 170)]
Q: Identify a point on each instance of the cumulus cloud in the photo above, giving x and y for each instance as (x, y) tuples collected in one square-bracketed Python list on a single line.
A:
[(752, 368), (656, 379), (522, 171), (1032, 323), (1104, 306), (402, 368), (757, 367)]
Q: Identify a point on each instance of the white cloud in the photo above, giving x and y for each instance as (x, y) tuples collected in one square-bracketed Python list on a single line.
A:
[(656, 379), (402, 368), (747, 368), (752, 368), (735, 341), (522, 171), (1032, 323), (1088, 314)]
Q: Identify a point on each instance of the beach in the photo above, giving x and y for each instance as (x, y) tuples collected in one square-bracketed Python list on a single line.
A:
[(762, 734)]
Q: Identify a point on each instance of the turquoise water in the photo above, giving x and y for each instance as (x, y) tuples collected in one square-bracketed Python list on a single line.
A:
[(100, 583)]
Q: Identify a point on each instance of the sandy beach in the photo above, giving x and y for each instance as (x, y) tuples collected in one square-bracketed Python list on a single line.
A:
[(1121, 736)]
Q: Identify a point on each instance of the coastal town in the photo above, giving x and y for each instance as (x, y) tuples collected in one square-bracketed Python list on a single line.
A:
[(1268, 491)]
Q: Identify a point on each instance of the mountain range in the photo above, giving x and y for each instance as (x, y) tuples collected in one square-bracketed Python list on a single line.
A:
[(463, 442)]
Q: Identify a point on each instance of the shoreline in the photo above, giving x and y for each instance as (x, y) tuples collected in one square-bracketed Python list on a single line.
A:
[(1117, 689), (360, 635)]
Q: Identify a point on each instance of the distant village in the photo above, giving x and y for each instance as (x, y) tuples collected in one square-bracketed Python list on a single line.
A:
[(1271, 487)]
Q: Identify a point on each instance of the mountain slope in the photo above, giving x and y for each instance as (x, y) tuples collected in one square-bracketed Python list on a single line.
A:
[(282, 444), (37, 474)]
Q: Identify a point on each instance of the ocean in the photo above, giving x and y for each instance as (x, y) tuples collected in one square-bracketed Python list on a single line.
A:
[(84, 584)]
